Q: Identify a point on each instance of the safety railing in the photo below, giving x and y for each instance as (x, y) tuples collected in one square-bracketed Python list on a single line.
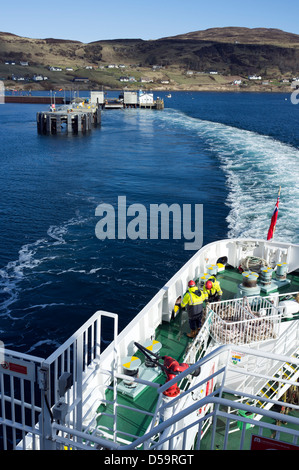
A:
[(73, 376), (187, 422), (180, 420), (20, 403), (244, 321), (181, 427)]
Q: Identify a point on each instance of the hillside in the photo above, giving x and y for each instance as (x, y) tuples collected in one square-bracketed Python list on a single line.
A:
[(181, 62), (275, 37)]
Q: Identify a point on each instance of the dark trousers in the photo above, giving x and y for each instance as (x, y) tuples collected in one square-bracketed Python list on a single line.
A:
[(195, 322)]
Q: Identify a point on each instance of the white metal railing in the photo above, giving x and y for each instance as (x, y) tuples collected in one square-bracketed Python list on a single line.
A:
[(216, 405), (20, 402), (174, 435), (184, 424), (33, 393), (244, 321), (80, 356)]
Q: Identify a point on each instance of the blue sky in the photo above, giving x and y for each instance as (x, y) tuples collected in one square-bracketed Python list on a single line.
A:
[(91, 20)]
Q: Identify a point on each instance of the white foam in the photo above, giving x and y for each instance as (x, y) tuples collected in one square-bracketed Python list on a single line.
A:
[(255, 166), (31, 256)]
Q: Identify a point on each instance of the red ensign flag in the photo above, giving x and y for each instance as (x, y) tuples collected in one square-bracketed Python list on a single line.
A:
[(273, 219)]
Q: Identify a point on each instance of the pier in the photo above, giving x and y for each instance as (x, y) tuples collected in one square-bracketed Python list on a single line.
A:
[(78, 117), (130, 99), (126, 99)]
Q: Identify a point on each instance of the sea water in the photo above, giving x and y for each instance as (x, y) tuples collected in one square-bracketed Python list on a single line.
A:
[(229, 152)]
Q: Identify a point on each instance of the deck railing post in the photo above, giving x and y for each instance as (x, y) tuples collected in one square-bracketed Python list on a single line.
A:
[(79, 376), (45, 418)]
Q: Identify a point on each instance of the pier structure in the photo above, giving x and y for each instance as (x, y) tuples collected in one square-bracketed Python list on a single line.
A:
[(79, 116), (129, 99), (126, 99), (141, 99)]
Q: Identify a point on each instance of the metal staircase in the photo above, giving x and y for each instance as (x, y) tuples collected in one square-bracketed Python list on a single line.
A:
[(276, 388), (283, 379)]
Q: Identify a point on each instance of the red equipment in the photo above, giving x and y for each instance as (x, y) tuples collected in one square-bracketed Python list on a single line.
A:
[(191, 284), (172, 369), (209, 285)]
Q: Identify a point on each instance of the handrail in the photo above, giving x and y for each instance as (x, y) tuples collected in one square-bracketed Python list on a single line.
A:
[(219, 350), (183, 412), (170, 422), (201, 403), (96, 316), (20, 355)]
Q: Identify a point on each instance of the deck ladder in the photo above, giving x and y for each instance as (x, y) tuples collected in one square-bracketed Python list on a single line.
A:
[(280, 383)]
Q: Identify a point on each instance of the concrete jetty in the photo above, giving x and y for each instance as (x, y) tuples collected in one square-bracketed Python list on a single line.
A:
[(132, 99), (129, 99), (79, 116)]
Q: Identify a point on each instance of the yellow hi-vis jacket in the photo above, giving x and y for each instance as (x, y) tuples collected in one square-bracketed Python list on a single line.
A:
[(194, 299), (216, 289)]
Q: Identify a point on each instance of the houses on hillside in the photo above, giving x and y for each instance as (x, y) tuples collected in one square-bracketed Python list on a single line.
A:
[(18, 71), (254, 77)]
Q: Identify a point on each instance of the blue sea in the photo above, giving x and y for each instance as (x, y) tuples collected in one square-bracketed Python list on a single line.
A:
[(229, 152)]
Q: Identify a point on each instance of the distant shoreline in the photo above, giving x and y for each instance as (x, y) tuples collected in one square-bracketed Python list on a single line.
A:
[(25, 90), (230, 59)]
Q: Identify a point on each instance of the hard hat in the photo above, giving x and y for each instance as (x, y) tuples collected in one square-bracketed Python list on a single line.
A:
[(209, 285), (191, 284)]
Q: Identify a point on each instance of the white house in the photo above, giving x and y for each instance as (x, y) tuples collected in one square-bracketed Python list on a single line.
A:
[(146, 80), (254, 77), (146, 98)]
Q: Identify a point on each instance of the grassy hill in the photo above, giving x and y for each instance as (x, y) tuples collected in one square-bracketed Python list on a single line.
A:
[(232, 52), (259, 36)]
